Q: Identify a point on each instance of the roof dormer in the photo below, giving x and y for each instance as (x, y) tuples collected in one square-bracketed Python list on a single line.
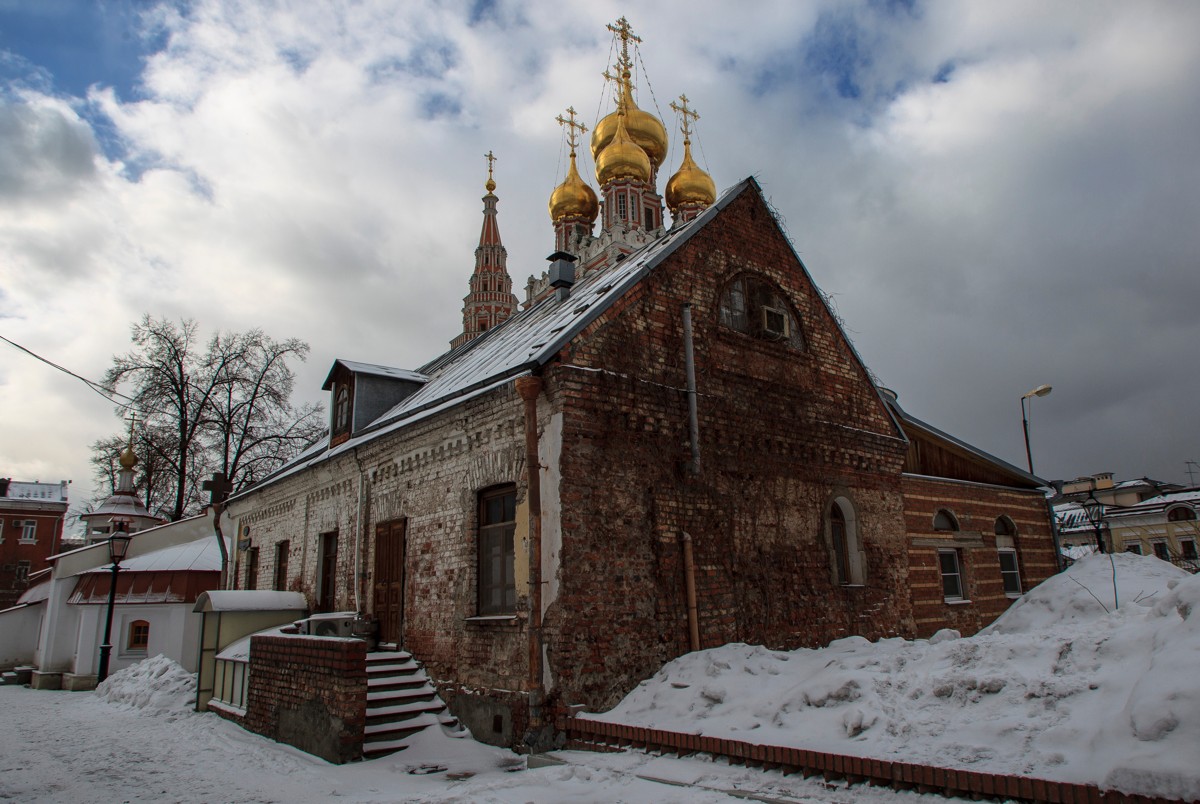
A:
[(361, 392)]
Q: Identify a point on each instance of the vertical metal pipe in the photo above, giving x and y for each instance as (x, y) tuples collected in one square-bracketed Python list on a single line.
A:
[(106, 645), (690, 363), (529, 387), (689, 575)]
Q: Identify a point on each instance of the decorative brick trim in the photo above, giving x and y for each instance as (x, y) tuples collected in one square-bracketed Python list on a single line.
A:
[(596, 735)]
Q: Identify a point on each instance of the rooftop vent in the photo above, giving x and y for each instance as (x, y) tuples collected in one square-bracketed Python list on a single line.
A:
[(562, 274)]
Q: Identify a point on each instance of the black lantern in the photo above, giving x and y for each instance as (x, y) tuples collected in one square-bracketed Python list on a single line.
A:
[(118, 548), (1093, 509)]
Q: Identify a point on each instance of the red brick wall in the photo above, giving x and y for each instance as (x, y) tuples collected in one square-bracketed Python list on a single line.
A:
[(310, 692), (976, 507), (13, 551), (782, 432)]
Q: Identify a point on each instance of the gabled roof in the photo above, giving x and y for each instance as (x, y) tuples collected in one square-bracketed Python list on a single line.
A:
[(529, 339), (913, 425), (374, 370)]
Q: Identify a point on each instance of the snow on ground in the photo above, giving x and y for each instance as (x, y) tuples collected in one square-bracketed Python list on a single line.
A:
[(136, 740), (1066, 685)]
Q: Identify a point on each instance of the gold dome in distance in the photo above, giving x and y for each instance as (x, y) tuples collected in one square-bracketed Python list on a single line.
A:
[(573, 198), (690, 184), (622, 158), (646, 130)]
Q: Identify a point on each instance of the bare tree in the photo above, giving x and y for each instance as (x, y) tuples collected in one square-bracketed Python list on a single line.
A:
[(226, 407), (252, 420)]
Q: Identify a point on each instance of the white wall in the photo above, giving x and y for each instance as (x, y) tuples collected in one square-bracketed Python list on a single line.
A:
[(174, 633), (19, 634)]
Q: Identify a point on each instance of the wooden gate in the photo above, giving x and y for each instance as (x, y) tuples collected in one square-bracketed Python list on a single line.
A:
[(389, 579)]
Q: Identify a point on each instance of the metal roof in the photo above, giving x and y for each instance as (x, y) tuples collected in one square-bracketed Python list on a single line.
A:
[(374, 370)]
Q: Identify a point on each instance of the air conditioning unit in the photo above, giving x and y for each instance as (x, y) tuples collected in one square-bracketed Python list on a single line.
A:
[(775, 323), (340, 624)]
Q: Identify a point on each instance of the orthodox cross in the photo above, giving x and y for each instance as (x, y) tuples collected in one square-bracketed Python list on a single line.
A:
[(218, 488), (132, 422), (574, 128), (686, 115), (491, 158), (622, 29)]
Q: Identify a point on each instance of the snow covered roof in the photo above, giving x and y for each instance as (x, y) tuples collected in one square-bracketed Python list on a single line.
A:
[(44, 492), (528, 339), (250, 600), (374, 370), (34, 594), (201, 555)]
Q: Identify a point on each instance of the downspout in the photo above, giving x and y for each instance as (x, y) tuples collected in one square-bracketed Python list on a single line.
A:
[(689, 576), (359, 537), (690, 363), (529, 387)]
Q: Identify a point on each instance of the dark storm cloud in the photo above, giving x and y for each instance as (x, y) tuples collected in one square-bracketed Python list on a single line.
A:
[(46, 154)]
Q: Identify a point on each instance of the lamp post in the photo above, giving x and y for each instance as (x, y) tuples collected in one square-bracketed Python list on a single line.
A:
[(1093, 509), (1041, 390), (118, 547)]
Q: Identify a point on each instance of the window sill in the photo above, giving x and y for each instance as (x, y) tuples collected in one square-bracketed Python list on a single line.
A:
[(494, 619), (853, 585), (958, 601)]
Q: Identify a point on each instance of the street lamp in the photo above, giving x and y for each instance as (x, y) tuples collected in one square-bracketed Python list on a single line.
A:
[(118, 547), (1093, 509), (1041, 390)]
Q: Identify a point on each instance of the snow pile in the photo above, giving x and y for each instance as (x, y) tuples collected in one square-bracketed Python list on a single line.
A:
[(1066, 685), (156, 686)]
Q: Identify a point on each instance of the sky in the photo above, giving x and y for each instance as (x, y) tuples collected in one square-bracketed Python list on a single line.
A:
[(994, 196)]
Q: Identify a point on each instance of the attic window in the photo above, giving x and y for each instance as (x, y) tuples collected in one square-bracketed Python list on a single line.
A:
[(945, 521), (341, 408), (755, 307), (1181, 514)]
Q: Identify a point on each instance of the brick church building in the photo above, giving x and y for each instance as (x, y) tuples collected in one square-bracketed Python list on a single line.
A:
[(671, 445)]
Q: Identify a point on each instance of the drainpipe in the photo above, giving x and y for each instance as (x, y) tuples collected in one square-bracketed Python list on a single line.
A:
[(360, 536), (690, 363), (689, 577), (529, 387)]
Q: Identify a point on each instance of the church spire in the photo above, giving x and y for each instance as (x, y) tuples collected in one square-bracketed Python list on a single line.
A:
[(490, 299)]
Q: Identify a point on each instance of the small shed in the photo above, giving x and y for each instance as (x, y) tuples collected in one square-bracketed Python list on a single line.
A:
[(231, 615)]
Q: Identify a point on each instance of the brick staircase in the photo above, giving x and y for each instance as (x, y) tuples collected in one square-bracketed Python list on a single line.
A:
[(401, 703)]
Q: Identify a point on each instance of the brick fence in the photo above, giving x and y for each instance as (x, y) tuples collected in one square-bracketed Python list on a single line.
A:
[(854, 770), (310, 692)]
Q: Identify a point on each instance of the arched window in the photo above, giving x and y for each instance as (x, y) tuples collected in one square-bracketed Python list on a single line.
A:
[(756, 307), (139, 636), (944, 520), (342, 409), (1004, 527), (1181, 514), (845, 548)]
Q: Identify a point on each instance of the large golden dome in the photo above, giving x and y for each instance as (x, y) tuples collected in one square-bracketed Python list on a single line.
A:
[(646, 130), (622, 158), (573, 198), (690, 184)]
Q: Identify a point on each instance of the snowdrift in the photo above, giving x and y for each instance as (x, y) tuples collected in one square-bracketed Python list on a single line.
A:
[(1075, 683), (156, 686)]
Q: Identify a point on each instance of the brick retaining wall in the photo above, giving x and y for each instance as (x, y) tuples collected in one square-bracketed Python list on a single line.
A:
[(854, 770), (310, 692)]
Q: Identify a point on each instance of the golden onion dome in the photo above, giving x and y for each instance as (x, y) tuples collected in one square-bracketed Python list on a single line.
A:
[(690, 184), (573, 198), (622, 158), (646, 130), (128, 459)]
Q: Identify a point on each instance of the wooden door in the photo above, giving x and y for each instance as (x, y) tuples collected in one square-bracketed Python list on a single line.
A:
[(389, 579)]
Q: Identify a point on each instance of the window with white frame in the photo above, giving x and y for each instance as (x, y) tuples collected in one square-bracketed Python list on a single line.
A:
[(1010, 573), (951, 568), (28, 528)]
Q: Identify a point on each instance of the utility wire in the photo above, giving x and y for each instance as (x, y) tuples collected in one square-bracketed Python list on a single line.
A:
[(102, 390)]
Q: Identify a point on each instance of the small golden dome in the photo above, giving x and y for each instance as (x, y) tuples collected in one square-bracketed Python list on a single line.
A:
[(690, 184), (646, 130), (128, 459), (573, 198), (622, 158)]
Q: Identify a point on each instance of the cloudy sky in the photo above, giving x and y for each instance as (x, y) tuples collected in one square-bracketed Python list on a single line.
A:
[(995, 195)]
